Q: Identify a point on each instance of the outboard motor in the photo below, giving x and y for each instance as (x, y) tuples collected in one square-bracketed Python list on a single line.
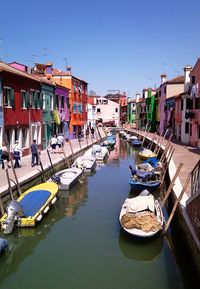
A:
[(13, 209), (56, 179)]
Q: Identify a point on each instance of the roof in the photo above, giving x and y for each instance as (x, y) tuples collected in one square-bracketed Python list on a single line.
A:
[(178, 79), (7, 68), (56, 72)]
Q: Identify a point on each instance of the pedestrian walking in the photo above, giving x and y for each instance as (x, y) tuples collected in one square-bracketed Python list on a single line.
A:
[(17, 152), (4, 156), (34, 154), (79, 133), (92, 132), (60, 142), (87, 132), (53, 143)]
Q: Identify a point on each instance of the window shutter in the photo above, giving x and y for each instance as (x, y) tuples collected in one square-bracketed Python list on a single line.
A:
[(5, 98), (35, 99), (41, 100), (27, 102), (12, 98)]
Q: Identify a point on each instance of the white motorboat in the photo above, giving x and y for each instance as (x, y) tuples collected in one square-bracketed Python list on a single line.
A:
[(86, 162), (67, 177), (141, 216), (100, 152)]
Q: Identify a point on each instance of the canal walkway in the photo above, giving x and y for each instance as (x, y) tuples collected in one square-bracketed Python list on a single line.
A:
[(185, 154), (27, 171)]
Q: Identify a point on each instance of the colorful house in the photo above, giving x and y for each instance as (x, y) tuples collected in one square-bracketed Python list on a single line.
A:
[(167, 90), (190, 105), (107, 112), (77, 94), (1, 114), (61, 110), (151, 109), (131, 112), (49, 125), (22, 107)]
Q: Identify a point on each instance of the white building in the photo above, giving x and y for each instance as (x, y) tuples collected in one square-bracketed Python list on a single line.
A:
[(107, 111)]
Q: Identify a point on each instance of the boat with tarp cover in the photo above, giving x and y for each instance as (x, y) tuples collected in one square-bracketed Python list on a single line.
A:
[(30, 207), (141, 216)]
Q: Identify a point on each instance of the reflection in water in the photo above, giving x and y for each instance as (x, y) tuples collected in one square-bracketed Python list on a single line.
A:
[(75, 198), (145, 250)]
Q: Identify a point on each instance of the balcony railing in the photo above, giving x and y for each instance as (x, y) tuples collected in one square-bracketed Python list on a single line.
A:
[(195, 178)]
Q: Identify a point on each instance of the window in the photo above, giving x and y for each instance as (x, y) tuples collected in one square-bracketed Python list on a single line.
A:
[(24, 137), (190, 129), (187, 127), (116, 109), (165, 90), (193, 79), (32, 99), (98, 110), (62, 101), (55, 101), (181, 104), (197, 103), (23, 99), (9, 97), (189, 104), (199, 132)]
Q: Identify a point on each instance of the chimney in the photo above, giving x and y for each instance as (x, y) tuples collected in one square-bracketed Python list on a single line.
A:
[(187, 70), (163, 78), (137, 97)]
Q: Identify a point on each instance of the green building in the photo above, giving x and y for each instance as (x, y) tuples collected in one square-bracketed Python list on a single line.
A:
[(131, 112), (151, 109)]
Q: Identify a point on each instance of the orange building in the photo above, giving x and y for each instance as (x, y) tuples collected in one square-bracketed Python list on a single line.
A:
[(77, 96)]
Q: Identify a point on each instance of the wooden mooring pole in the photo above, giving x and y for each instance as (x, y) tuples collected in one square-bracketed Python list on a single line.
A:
[(1, 207), (42, 169), (53, 171), (8, 179), (176, 203), (16, 178), (171, 185)]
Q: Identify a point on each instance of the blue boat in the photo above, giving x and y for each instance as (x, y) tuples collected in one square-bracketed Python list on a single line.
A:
[(136, 143), (152, 161), (138, 186)]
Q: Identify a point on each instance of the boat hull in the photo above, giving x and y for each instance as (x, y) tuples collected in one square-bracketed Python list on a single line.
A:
[(140, 186), (35, 202)]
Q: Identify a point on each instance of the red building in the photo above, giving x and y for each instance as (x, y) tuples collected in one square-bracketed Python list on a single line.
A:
[(22, 107)]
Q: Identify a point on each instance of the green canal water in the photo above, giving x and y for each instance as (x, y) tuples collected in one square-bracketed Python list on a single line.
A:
[(80, 245)]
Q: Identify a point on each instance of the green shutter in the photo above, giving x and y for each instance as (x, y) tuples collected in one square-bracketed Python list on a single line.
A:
[(41, 100), (27, 102), (35, 99), (12, 98)]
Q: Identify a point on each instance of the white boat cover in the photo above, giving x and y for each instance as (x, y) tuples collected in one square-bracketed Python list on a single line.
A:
[(139, 203)]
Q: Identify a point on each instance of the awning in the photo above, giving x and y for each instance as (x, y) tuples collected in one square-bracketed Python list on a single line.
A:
[(56, 117)]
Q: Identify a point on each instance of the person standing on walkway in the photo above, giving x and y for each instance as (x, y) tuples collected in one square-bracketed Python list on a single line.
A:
[(17, 152), (53, 143), (92, 132), (35, 154), (4, 155), (79, 133), (60, 142)]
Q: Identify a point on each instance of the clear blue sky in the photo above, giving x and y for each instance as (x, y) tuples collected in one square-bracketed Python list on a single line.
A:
[(111, 44)]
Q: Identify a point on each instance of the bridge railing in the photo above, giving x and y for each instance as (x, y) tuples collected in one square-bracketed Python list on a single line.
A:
[(195, 178)]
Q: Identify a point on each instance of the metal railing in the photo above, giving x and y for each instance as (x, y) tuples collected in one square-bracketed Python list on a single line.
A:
[(195, 178)]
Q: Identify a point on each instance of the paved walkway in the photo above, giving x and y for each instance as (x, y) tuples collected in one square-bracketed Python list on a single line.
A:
[(27, 170), (185, 154)]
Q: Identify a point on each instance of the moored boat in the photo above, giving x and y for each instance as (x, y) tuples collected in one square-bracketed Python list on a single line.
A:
[(30, 207), (139, 186), (85, 162), (141, 216), (146, 153), (67, 177)]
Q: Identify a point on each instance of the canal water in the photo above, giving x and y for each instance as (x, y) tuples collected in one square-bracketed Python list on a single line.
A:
[(80, 244)]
